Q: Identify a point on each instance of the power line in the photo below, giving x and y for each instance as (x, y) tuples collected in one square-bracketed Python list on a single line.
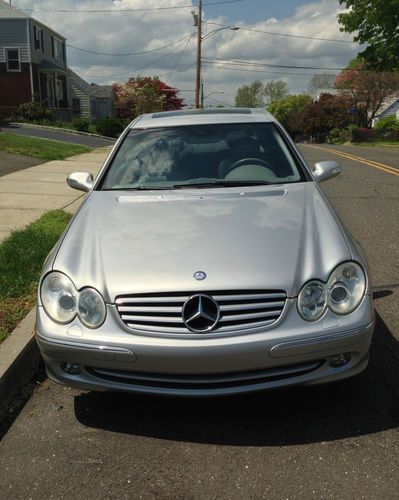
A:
[(164, 56), (154, 61), (237, 68), (179, 58), (144, 9), (134, 70), (219, 102), (265, 65), (241, 28), (130, 53)]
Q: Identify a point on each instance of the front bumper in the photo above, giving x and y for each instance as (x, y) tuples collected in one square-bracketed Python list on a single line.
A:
[(292, 353)]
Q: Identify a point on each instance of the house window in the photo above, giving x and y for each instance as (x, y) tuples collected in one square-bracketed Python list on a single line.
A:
[(58, 49), (93, 108), (38, 34), (76, 105), (13, 59)]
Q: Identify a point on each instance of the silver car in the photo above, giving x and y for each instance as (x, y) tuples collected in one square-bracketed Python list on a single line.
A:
[(204, 261)]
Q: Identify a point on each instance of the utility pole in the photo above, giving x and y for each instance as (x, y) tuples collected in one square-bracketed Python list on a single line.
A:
[(198, 23)]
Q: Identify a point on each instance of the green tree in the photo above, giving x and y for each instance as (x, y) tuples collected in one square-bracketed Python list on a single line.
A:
[(388, 123), (144, 94), (376, 23), (366, 89), (288, 109), (250, 96), (274, 90), (323, 115)]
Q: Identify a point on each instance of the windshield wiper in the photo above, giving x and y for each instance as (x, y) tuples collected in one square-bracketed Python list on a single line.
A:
[(144, 188), (221, 184), (194, 185)]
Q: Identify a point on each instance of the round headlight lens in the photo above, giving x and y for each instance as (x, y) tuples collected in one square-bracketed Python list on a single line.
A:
[(312, 300), (59, 297), (91, 307), (346, 288)]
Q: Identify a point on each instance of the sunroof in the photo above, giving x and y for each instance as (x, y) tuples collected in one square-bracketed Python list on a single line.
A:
[(222, 111)]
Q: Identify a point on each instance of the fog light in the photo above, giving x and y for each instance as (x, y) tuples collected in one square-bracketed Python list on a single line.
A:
[(339, 360), (71, 368)]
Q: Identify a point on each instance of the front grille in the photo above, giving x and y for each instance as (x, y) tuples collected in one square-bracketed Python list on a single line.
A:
[(204, 381), (239, 310)]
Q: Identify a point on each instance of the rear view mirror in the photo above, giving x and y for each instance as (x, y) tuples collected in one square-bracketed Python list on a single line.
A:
[(82, 181), (324, 170)]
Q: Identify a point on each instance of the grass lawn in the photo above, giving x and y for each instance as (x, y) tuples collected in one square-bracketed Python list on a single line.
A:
[(380, 144), (21, 259), (39, 148), (68, 125)]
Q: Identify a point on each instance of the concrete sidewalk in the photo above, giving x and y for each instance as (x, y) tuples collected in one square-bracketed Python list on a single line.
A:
[(29, 193)]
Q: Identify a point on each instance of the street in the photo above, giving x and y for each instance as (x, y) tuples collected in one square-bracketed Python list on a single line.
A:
[(334, 441)]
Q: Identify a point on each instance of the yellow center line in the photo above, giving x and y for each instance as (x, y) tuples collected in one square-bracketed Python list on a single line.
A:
[(364, 160), (381, 166)]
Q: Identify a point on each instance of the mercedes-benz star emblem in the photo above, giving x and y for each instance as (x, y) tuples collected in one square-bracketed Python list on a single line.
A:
[(200, 313), (200, 275)]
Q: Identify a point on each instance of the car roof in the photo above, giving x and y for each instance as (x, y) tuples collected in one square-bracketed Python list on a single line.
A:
[(202, 117)]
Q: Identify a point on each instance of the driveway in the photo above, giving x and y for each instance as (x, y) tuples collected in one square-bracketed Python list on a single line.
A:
[(335, 441), (10, 162)]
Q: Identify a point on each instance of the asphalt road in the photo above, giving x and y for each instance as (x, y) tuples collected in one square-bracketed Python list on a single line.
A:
[(56, 135), (336, 441)]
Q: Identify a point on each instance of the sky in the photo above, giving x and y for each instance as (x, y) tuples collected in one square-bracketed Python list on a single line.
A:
[(253, 10), (167, 36)]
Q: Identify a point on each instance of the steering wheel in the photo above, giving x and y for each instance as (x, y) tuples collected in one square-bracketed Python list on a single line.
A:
[(248, 161)]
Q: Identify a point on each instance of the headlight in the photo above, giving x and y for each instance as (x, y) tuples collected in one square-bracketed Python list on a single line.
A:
[(91, 307), (346, 288), (59, 297), (312, 300), (62, 302)]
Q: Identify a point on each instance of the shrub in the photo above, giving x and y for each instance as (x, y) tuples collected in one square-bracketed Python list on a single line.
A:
[(81, 124), (388, 123), (33, 112), (110, 127), (334, 137), (125, 122), (362, 135)]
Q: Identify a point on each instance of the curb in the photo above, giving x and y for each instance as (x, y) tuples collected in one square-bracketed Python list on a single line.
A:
[(59, 129), (19, 359)]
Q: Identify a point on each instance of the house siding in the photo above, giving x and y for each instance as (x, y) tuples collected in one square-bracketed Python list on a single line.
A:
[(76, 93), (393, 110), (390, 108), (13, 33), (40, 71), (47, 54)]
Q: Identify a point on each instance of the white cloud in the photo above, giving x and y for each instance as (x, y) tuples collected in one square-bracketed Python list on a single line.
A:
[(140, 31)]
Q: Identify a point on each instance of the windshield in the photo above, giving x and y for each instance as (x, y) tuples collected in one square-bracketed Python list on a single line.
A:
[(202, 156)]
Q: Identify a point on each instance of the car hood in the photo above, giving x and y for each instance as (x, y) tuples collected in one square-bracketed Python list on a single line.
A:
[(272, 237)]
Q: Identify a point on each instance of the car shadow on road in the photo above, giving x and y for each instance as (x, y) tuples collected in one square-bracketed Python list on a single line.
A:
[(365, 404)]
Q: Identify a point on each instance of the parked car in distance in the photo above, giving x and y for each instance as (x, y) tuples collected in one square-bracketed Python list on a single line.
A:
[(204, 261)]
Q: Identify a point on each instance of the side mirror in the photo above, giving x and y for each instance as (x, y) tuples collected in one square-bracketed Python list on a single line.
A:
[(82, 181), (324, 170)]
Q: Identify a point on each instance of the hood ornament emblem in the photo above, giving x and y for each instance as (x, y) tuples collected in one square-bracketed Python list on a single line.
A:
[(199, 275), (200, 313)]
